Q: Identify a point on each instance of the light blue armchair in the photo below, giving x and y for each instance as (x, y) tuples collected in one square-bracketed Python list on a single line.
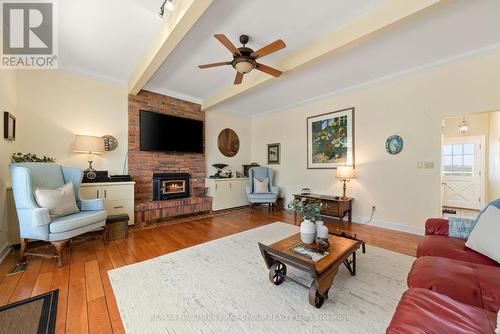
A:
[(260, 173), (35, 222)]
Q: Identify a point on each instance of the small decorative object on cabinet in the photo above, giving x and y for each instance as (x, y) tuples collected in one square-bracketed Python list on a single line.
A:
[(89, 145), (9, 126), (345, 174), (394, 144), (246, 168), (118, 196), (305, 191), (228, 143), (227, 192), (273, 154), (330, 139)]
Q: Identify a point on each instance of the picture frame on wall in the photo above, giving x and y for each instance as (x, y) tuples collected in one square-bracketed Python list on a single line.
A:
[(9, 126), (273, 154), (330, 139)]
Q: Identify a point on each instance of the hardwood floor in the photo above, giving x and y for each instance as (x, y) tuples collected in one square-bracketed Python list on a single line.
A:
[(86, 302)]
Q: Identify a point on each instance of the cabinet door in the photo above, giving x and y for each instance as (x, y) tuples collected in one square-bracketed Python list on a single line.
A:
[(91, 192), (221, 195), (114, 192), (243, 200)]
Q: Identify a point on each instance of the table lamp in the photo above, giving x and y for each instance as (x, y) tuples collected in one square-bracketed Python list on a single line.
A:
[(345, 174), (89, 145)]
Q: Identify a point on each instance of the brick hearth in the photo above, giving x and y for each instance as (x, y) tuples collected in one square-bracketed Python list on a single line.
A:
[(142, 165)]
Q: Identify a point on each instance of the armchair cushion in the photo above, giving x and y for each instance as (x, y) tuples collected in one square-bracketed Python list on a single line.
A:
[(77, 220), (60, 201), (261, 187), (436, 226)]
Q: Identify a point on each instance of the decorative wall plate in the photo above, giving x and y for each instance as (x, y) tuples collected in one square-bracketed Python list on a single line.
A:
[(110, 143), (228, 143), (394, 144)]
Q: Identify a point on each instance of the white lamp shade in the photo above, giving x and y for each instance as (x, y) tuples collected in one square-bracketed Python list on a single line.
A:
[(89, 144), (345, 172)]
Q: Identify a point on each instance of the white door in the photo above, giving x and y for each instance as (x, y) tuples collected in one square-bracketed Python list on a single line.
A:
[(462, 172)]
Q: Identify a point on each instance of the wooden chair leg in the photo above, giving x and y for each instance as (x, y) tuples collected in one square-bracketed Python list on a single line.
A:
[(105, 234), (59, 245), (22, 251)]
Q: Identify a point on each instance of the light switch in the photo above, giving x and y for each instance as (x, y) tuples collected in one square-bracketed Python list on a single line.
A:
[(429, 165)]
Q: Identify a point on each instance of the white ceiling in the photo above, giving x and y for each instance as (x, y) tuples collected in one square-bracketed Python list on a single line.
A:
[(459, 28), (296, 22), (105, 39)]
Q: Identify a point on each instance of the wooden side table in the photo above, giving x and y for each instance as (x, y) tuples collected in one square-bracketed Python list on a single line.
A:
[(334, 207), (117, 226)]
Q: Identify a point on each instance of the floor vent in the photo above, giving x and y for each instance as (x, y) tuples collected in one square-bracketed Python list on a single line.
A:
[(18, 268)]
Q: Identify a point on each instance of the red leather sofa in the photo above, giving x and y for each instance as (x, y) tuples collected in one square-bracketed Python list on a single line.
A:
[(452, 289)]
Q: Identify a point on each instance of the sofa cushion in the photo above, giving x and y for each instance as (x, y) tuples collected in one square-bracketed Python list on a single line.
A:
[(469, 283), (484, 238), (452, 248), (71, 222), (428, 312), (60, 201)]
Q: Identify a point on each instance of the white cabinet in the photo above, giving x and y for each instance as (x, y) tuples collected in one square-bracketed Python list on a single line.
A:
[(118, 196), (227, 193)]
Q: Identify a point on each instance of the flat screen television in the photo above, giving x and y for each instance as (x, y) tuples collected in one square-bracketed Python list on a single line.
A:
[(165, 133)]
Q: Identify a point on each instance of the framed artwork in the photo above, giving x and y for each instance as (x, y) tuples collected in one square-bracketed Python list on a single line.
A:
[(330, 139), (273, 154), (9, 126)]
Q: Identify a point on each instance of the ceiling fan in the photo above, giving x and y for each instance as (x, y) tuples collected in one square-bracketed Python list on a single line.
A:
[(244, 58)]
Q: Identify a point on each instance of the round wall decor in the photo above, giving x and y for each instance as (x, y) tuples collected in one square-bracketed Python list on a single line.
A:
[(228, 143), (394, 144), (110, 143)]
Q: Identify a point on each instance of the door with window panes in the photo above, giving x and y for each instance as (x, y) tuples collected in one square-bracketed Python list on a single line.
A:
[(462, 172)]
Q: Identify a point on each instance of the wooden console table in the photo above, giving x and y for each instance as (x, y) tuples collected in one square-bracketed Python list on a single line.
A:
[(333, 207)]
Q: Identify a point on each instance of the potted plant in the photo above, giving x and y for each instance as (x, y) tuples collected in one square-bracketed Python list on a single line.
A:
[(29, 157), (310, 210)]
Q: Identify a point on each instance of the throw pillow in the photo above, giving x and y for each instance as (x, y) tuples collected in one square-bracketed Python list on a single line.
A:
[(60, 201), (460, 227), (484, 237), (260, 187)]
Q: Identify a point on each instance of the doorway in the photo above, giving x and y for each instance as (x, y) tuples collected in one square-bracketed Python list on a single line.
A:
[(463, 172)]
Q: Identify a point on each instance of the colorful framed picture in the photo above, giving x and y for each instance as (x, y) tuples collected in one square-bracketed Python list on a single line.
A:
[(273, 154), (330, 139), (9, 126)]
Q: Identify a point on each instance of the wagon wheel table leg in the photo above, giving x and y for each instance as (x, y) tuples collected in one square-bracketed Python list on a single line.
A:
[(277, 273), (316, 298)]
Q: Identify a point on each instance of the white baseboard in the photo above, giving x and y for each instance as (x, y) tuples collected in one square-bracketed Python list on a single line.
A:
[(390, 225), (4, 251)]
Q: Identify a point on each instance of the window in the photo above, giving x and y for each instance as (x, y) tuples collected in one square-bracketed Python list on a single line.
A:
[(458, 159)]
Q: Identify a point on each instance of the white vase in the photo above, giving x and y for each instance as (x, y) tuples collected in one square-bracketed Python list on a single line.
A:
[(307, 232), (321, 230)]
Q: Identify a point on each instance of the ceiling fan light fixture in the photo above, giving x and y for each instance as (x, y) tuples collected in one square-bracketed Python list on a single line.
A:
[(169, 5), (244, 66)]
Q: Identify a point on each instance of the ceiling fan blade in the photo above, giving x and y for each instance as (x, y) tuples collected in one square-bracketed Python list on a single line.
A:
[(215, 64), (239, 78), (227, 43), (269, 70), (268, 49)]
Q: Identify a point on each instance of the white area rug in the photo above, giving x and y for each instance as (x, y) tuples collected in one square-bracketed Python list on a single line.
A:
[(222, 286)]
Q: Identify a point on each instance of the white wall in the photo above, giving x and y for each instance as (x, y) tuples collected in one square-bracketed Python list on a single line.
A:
[(57, 105), (215, 122), (7, 103), (494, 172), (410, 106)]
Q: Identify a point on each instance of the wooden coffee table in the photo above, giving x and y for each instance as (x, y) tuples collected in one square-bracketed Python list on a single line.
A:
[(341, 251)]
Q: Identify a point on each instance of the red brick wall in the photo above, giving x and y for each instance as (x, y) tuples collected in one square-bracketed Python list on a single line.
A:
[(141, 164)]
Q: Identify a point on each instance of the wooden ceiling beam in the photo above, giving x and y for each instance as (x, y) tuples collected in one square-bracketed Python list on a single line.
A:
[(352, 32), (176, 26)]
